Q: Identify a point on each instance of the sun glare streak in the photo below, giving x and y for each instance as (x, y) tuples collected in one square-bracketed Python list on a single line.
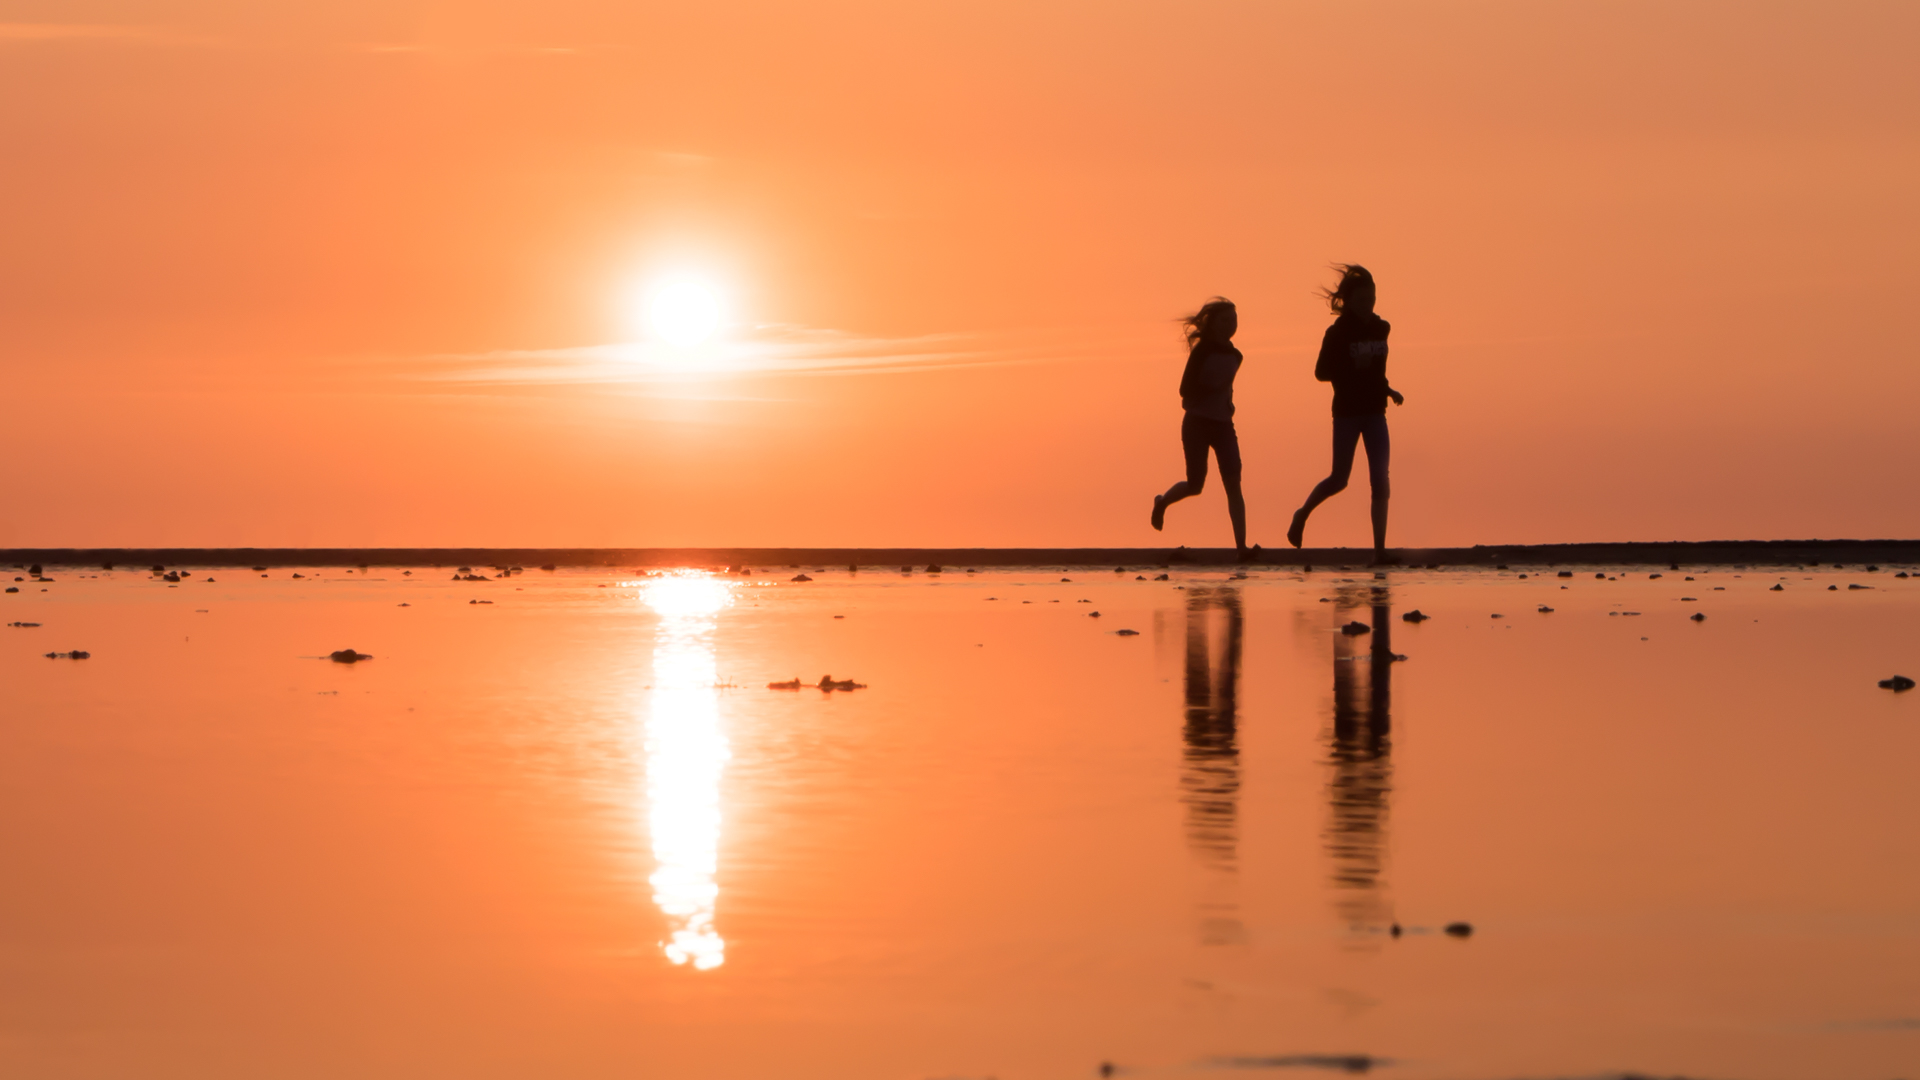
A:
[(686, 753)]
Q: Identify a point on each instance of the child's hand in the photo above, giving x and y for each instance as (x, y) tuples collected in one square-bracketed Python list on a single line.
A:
[(1398, 397)]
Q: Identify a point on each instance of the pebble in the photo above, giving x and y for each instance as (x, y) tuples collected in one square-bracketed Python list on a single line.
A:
[(1127, 633), (1355, 628), (1833, 588), (1778, 588), (933, 568), (1898, 682), (1601, 577), (1162, 577), (1859, 586), (801, 577), (1698, 617), (1093, 614), (347, 656), (1566, 573), (1650, 577), (1459, 929), (1416, 615), (77, 654), (1545, 610)]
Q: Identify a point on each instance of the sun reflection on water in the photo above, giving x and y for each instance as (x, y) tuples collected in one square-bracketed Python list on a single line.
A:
[(686, 753)]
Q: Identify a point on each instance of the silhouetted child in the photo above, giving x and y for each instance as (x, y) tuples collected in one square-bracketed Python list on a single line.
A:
[(1206, 392), (1353, 357)]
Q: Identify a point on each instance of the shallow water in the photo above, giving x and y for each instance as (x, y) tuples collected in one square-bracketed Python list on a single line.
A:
[(572, 833)]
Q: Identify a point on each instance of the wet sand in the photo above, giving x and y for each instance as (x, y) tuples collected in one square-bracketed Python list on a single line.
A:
[(1686, 553), (571, 832)]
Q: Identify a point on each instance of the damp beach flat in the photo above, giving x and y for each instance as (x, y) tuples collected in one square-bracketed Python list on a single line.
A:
[(573, 830)]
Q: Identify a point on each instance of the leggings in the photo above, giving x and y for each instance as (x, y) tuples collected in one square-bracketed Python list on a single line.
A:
[(1347, 431)]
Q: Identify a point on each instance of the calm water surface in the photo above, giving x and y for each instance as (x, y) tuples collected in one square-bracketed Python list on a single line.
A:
[(572, 833)]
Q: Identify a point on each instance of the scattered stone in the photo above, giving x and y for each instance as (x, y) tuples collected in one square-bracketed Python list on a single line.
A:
[(1629, 613), (1650, 577), (1689, 599), (1119, 569), (466, 569), (1127, 633), (1523, 577), (1873, 569), (1833, 588), (1416, 615), (1356, 628), (347, 656), (801, 577), (1859, 586), (1778, 588), (1458, 929), (1601, 577), (1698, 617), (1545, 610), (1565, 573), (406, 605), (827, 683), (258, 569), (1902, 573), (1066, 579), (933, 568), (298, 576), (1394, 930), (1613, 613), (1093, 614), (479, 601), (13, 588), (1500, 566), (1898, 682), (1396, 657), (1143, 577), (23, 624), (1496, 615), (176, 577), (77, 654), (1162, 577), (790, 684)]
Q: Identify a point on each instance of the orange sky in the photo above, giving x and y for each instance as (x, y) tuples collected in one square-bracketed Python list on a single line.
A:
[(357, 273)]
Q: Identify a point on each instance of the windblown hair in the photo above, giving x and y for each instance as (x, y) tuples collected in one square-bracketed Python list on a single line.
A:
[(1201, 321), (1354, 280)]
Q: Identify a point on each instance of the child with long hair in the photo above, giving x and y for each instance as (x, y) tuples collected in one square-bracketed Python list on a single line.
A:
[(1206, 392), (1353, 357)]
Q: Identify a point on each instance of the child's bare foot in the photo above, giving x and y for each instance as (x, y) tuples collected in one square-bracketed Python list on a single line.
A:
[(1252, 554), (1160, 513), (1297, 532)]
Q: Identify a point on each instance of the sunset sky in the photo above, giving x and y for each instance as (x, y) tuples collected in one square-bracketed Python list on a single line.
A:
[(376, 273)]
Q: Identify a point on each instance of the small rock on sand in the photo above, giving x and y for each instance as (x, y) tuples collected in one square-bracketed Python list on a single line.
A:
[(1566, 573), (1850, 587), (1545, 610), (1416, 615), (1458, 929), (347, 656), (1778, 588), (801, 577), (1127, 633), (1093, 614), (1356, 628), (1898, 682), (77, 654), (1698, 617), (1162, 577), (1833, 588)]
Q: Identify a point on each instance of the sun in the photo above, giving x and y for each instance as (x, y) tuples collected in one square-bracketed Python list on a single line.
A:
[(683, 312)]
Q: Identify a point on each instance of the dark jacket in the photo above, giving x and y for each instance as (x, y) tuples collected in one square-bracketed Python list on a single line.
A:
[(1206, 387), (1353, 357)]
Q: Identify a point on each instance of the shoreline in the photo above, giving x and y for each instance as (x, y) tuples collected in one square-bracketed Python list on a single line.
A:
[(1630, 553)]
